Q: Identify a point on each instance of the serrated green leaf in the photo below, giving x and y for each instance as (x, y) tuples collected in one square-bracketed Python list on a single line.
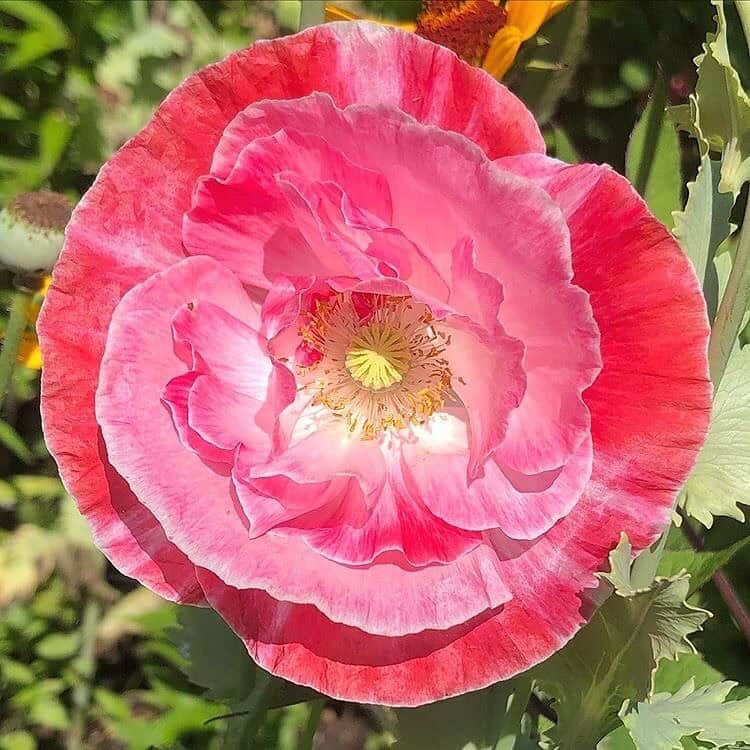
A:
[(481, 719), (674, 673), (700, 565), (704, 713), (613, 657), (653, 158), (703, 225), (720, 480), (723, 107)]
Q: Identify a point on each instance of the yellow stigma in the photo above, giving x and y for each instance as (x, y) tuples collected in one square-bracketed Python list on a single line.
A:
[(378, 357), (381, 362)]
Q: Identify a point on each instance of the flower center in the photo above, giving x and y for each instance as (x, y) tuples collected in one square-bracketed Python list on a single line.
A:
[(380, 364), (378, 356)]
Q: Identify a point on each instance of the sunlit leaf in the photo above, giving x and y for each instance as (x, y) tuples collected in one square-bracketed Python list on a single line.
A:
[(720, 480), (613, 657), (704, 713)]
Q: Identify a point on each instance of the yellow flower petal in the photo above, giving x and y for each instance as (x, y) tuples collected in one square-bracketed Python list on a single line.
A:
[(334, 13), (502, 52), (528, 15), (30, 354)]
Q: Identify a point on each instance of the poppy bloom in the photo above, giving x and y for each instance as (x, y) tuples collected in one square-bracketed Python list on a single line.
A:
[(334, 348)]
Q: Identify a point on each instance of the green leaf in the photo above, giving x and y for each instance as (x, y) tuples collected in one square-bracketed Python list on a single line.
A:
[(17, 741), (58, 646), (14, 443), (720, 480), (653, 158), (723, 107), (704, 713), (46, 33), (216, 658), (703, 225), (613, 657), (673, 673), (54, 133), (482, 718), (49, 712), (9, 110), (550, 67), (700, 565), (564, 148), (209, 646)]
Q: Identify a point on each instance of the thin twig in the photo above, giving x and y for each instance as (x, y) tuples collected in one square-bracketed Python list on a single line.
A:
[(723, 584), (87, 670)]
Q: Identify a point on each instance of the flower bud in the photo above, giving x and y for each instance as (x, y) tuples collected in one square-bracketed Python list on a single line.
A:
[(32, 231)]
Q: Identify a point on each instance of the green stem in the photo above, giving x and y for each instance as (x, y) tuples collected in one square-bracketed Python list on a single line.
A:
[(243, 727), (733, 305), (19, 310), (306, 740), (81, 696), (723, 584), (512, 721), (651, 139)]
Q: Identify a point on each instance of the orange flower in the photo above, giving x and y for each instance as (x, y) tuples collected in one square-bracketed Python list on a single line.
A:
[(487, 33)]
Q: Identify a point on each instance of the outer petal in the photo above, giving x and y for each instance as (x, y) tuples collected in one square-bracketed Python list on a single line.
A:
[(366, 63)]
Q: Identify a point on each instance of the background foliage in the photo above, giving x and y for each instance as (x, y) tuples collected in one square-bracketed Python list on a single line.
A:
[(88, 659)]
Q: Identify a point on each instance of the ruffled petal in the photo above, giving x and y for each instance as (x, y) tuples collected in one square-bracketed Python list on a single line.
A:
[(521, 506), (488, 378)]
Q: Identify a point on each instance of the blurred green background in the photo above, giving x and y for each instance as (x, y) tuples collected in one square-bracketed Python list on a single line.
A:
[(87, 657)]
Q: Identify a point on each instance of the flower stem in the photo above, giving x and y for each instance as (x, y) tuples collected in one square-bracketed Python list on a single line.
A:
[(87, 669), (306, 739), (732, 308), (19, 309)]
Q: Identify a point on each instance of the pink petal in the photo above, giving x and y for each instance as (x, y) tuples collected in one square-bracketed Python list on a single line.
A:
[(488, 378), (523, 507), (175, 396), (224, 346), (473, 293), (245, 220)]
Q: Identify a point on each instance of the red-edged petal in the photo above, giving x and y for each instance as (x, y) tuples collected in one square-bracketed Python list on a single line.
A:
[(366, 63)]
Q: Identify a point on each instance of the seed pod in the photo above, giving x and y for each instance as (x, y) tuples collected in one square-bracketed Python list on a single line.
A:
[(32, 231)]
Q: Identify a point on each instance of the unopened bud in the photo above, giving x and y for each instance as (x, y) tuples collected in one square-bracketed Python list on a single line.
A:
[(32, 231)]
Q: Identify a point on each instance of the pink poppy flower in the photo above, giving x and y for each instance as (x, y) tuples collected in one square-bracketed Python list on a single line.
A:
[(334, 348)]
